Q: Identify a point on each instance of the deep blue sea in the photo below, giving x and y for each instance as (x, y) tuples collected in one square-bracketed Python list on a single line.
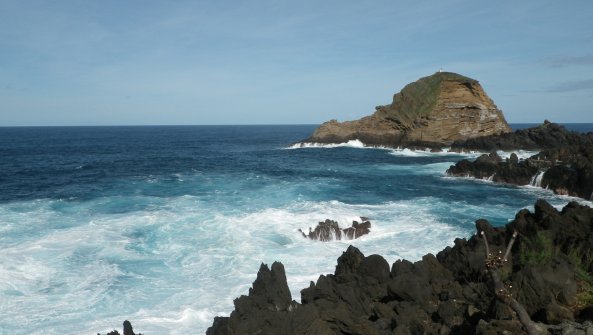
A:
[(165, 226)]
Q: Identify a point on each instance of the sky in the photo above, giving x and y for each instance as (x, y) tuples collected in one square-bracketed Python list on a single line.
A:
[(150, 62)]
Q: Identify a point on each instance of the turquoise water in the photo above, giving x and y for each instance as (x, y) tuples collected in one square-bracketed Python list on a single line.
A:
[(165, 226)]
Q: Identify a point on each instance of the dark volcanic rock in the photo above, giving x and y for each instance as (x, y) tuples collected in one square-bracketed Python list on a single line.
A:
[(329, 230), (545, 136), (263, 310), (519, 173), (447, 294), (127, 330), (565, 170), (572, 173)]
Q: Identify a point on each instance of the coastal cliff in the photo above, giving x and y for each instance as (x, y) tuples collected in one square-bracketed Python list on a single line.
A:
[(433, 111)]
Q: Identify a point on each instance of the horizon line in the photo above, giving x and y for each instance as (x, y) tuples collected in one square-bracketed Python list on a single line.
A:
[(217, 125)]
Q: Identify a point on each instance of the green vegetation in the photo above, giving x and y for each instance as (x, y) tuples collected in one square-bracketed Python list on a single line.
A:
[(420, 97), (584, 278), (539, 250)]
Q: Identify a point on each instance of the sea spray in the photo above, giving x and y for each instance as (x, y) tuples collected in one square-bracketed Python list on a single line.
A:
[(536, 180)]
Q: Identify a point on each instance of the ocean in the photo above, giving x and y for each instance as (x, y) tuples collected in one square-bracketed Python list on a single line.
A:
[(166, 225)]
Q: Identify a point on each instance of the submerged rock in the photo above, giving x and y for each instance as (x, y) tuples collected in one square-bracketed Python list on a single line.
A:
[(329, 230), (431, 112)]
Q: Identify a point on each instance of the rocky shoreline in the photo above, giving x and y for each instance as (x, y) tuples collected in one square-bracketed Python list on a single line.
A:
[(548, 273), (565, 164), (541, 284)]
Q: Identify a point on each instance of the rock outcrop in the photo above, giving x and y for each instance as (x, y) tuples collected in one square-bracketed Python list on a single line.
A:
[(329, 230), (549, 273), (545, 136), (127, 330), (567, 170), (433, 111)]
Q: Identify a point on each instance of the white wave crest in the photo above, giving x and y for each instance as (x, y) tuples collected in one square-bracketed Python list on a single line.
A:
[(350, 144), (405, 152), (521, 154)]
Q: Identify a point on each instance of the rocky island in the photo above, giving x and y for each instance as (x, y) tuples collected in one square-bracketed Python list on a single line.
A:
[(432, 112)]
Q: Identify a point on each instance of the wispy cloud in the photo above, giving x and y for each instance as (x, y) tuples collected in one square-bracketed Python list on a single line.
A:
[(571, 86), (586, 60)]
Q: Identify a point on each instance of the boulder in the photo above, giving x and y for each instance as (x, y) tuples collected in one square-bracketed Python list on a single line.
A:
[(329, 230)]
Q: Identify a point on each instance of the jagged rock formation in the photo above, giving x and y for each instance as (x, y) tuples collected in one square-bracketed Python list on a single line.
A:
[(433, 111), (572, 173), (566, 170), (549, 273), (127, 330), (329, 230), (545, 136)]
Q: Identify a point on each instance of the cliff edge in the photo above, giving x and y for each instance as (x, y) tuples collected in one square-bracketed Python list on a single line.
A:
[(435, 110)]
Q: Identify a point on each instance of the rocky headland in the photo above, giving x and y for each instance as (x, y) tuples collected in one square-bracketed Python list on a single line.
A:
[(434, 111), (544, 285), (565, 164)]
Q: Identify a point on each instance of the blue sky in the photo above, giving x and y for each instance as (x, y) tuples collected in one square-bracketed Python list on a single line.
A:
[(283, 62)]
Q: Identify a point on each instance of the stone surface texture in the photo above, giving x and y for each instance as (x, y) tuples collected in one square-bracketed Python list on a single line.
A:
[(549, 273), (435, 110)]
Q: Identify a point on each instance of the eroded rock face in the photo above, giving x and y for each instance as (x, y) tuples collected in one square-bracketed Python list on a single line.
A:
[(447, 294), (433, 111), (329, 230)]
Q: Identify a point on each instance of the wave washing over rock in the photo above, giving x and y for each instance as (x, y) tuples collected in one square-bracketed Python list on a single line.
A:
[(548, 274), (565, 166), (329, 230), (433, 111)]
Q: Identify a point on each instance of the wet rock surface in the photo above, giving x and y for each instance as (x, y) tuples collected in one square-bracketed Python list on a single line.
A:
[(329, 230), (549, 272), (566, 170)]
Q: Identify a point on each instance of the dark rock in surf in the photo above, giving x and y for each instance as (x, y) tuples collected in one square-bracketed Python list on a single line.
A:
[(127, 330), (329, 230), (565, 170)]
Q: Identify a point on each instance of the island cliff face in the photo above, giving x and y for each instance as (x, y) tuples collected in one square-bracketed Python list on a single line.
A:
[(435, 110)]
